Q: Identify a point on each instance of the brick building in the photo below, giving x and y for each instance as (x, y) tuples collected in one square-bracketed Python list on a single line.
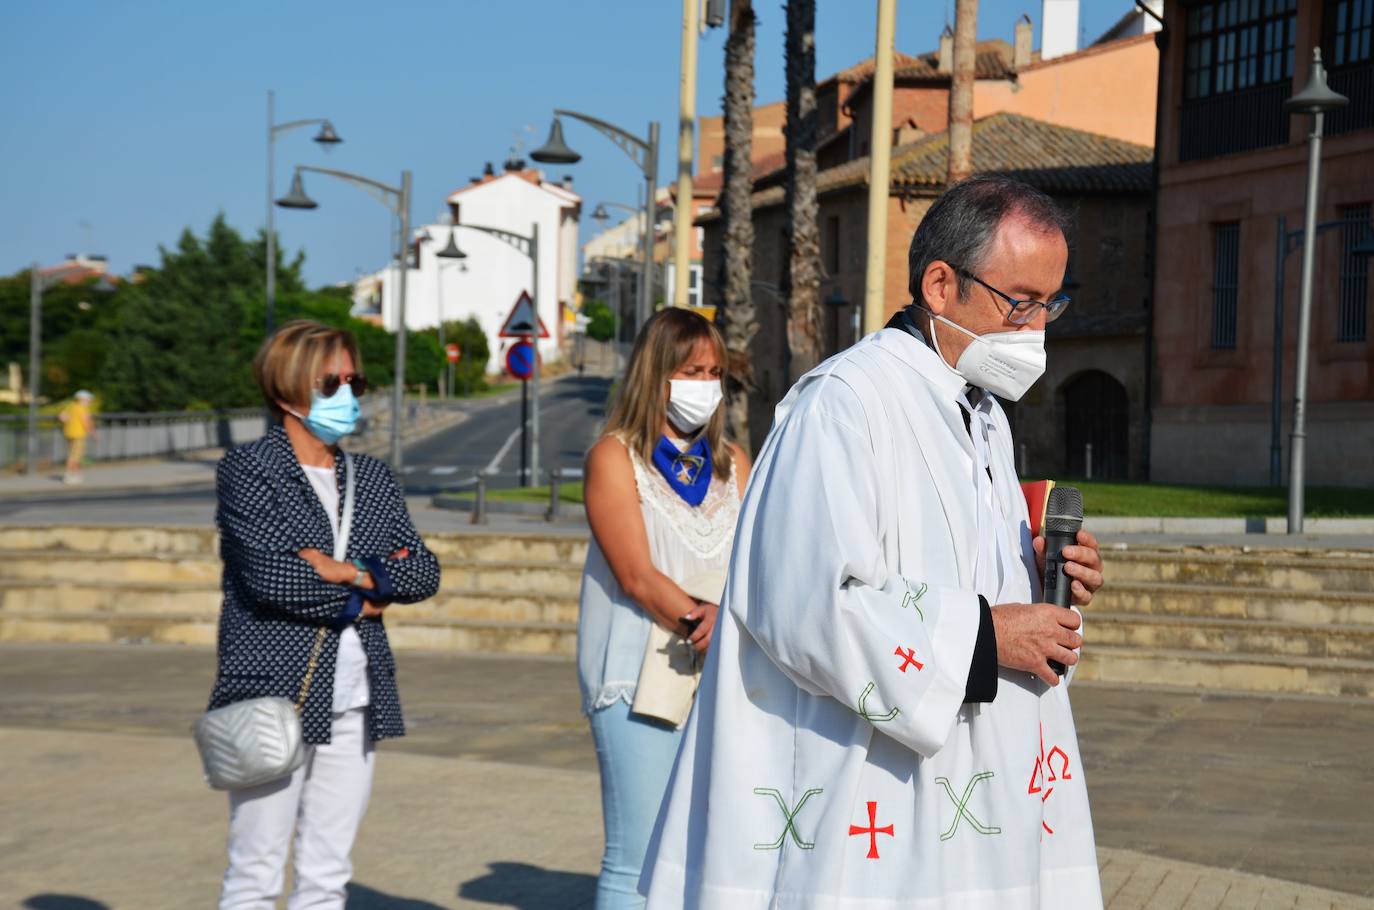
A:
[(1232, 170)]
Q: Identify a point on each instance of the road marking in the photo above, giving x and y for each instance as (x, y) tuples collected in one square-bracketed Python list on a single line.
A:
[(445, 469), (408, 469), (495, 464)]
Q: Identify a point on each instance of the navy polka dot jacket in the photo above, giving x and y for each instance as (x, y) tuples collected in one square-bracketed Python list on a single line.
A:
[(274, 601)]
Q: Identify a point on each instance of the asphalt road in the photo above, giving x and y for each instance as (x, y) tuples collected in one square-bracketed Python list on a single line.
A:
[(570, 415)]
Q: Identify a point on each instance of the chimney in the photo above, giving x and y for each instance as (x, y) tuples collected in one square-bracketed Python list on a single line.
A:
[(946, 63), (1021, 48), (567, 181), (488, 170), (514, 165), (1058, 28)]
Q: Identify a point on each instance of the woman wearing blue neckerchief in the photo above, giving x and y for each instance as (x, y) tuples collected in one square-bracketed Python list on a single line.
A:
[(663, 487)]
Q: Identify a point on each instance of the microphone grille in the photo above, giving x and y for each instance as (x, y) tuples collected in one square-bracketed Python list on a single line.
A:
[(1064, 511)]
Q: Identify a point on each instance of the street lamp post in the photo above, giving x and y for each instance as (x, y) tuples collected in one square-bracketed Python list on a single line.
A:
[(448, 254), (1288, 241), (1315, 100), (327, 138), (529, 247), (397, 199), (601, 216), (644, 153)]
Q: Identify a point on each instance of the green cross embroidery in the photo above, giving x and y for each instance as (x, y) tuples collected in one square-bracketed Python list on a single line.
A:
[(867, 715), (961, 806), (791, 826), (913, 598)]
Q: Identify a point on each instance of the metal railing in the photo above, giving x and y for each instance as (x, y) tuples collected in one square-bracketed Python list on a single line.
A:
[(1357, 84), (1234, 122)]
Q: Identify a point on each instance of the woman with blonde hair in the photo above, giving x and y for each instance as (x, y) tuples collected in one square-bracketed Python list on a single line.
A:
[(305, 625), (663, 487)]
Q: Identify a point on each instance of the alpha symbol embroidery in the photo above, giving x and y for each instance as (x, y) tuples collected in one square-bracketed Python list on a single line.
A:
[(791, 826), (872, 830), (961, 810), (1042, 775), (687, 467), (908, 657), (912, 598), (870, 716)]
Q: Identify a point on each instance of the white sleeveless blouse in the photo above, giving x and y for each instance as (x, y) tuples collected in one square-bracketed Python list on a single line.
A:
[(684, 540)]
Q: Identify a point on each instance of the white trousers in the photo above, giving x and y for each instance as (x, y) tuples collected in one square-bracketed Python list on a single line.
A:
[(323, 802)]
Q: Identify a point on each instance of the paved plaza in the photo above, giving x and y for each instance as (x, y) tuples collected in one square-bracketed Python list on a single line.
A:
[(492, 799)]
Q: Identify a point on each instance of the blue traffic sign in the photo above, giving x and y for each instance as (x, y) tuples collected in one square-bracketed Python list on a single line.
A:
[(520, 360)]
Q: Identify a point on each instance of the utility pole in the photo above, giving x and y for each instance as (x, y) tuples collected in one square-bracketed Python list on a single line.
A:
[(875, 273), (961, 92), (687, 112)]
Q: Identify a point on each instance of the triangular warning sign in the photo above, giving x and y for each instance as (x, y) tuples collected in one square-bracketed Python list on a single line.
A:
[(523, 320)]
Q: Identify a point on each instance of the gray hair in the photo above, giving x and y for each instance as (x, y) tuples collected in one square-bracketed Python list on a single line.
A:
[(961, 225)]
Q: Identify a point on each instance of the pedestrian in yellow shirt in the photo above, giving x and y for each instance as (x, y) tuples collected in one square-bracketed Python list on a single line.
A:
[(77, 427)]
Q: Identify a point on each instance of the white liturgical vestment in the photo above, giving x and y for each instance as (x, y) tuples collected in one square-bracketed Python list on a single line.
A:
[(830, 761)]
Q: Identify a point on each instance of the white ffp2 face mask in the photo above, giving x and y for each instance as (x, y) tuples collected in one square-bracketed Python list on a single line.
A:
[(1004, 363), (692, 402)]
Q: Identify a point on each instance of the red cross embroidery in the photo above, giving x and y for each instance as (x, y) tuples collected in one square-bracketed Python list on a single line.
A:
[(908, 657), (1042, 775), (872, 830)]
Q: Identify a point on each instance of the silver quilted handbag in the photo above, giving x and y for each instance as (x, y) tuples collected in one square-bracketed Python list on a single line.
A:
[(259, 740), (255, 741)]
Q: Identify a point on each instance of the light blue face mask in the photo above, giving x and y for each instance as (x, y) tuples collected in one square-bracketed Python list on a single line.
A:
[(334, 417)]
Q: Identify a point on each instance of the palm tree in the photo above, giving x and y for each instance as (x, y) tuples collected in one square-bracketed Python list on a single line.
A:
[(737, 314), (961, 92), (801, 285)]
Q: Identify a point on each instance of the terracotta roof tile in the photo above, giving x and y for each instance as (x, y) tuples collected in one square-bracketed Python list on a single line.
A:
[(864, 68), (1054, 158)]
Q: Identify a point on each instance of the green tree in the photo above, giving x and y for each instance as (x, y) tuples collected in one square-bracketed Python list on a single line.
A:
[(470, 373), (602, 324)]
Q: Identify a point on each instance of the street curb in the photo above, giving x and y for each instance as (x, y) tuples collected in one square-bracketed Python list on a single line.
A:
[(1257, 526), (569, 511)]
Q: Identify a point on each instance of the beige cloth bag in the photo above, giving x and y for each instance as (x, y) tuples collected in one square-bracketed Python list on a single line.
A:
[(671, 670)]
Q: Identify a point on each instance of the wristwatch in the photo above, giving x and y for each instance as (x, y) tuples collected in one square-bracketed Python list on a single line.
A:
[(361, 575)]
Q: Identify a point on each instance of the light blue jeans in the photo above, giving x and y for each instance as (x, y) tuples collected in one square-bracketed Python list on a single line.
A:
[(636, 757)]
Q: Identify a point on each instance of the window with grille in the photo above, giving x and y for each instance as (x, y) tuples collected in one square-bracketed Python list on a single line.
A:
[(1348, 49), (1238, 70), (1352, 323), (1225, 281), (1239, 44)]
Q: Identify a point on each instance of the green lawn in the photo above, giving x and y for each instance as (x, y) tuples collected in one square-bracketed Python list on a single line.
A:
[(1179, 501), (1136, 500)]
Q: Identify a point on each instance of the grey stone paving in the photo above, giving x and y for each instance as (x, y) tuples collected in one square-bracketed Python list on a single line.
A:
[(492, 799)]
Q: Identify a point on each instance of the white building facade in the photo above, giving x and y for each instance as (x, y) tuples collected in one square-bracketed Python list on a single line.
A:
[(487, 283)]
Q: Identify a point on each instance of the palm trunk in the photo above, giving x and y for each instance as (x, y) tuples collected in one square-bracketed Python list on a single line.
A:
[(961, 92), (802, 285), (737, 315)]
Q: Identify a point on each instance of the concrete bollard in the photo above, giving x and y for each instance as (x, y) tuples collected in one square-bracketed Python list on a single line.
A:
[(479, 505)]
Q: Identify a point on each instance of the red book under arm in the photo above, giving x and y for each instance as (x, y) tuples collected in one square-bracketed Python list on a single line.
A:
[(1037, 493)]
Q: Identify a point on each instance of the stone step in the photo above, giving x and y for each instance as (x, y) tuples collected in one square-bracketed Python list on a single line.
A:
[(457, 635), (114, 569), (1282, 570), (1230, 636), (1247, 672), (203, 602), (139, 541), (1263, 604)]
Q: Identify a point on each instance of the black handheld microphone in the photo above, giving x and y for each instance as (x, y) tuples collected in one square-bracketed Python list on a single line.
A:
[(1063, 518)]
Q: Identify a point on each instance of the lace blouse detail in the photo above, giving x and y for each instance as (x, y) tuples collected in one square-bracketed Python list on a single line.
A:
[(706, 530)]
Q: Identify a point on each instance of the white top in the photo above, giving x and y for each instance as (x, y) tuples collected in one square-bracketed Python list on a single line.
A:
[(830, 760), (684, 541), (350, 669)]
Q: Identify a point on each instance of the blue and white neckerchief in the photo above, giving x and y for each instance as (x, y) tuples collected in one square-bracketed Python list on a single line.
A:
[(689, 472)]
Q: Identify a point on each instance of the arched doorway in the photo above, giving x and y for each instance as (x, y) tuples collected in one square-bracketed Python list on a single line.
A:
[(1096, 413)]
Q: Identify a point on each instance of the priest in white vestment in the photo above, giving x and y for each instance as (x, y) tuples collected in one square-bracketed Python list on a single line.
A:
[(879, 725)]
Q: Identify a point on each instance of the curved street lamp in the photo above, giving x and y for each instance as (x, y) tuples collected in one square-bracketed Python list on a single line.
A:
[(397, 200), (327, 139), (449, 254), (1315, 100), (644, 153)]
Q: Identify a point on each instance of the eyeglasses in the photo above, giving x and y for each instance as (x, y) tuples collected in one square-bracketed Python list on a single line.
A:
[(330, 382), (1021, 311)]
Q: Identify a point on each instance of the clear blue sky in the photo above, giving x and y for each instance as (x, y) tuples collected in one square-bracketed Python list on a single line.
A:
[(125, 122)]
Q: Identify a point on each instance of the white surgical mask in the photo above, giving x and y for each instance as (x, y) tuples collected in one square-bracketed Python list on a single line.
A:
[(691, 402), (1004, 363)]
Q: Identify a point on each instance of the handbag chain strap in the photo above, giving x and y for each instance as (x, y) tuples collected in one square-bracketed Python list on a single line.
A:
[(310, 669)]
